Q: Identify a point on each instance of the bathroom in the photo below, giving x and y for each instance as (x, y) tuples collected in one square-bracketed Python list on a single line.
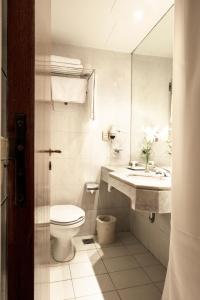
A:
[(105, 131), (102, 187)]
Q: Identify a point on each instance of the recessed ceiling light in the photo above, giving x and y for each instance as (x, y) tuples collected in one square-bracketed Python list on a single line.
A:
[(138, 15)]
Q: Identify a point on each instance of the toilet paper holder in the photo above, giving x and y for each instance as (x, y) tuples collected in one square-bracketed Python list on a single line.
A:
[(91, 187)]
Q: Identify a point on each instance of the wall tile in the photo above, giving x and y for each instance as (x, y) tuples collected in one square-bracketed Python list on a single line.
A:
[(152, 235), (80, 139)]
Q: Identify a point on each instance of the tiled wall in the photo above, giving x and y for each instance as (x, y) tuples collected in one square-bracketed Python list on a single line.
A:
[(155, 236), (80, 139)]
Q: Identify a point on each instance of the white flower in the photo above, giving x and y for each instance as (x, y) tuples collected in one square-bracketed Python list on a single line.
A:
[(151, 133)]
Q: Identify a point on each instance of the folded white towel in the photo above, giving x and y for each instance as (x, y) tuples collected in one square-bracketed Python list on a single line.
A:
[(65, 89), (60, 60), (69, 67)]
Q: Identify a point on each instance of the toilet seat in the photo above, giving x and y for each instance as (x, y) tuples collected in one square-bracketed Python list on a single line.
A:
[(65, 223), (65, 215)]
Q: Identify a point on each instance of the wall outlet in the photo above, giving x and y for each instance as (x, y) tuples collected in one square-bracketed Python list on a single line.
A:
[(105, 136)]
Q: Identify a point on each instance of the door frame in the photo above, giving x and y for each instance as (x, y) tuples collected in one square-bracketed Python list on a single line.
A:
[(20, 99)]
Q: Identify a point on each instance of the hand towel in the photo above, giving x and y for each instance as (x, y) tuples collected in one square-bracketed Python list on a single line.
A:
[(65, 89)]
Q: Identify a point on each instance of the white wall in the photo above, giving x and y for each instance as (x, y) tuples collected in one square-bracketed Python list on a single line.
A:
[(155, 236), (151, 102), (80, 139)]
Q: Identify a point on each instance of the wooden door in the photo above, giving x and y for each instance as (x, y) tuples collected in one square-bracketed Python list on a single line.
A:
[(20, 112), (21, 55)]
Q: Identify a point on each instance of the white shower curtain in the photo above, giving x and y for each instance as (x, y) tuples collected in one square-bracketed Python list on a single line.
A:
[(183, 276)]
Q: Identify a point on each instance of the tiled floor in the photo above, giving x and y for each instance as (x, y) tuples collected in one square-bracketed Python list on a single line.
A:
[(124, 270)]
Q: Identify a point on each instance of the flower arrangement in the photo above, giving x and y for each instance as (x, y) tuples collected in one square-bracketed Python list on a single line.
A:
[(151, 136), (146, 152)]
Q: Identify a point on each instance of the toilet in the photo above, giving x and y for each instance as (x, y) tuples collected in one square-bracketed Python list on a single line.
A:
[(65, 222)]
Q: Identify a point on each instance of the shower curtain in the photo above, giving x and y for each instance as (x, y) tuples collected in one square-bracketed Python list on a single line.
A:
[(183, 275)]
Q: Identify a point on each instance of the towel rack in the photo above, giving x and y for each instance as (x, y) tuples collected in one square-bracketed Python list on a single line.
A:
[(65, 71), (88, 74), (71, 72)]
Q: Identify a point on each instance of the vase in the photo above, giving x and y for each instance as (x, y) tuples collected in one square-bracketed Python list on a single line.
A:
[(147, 164)]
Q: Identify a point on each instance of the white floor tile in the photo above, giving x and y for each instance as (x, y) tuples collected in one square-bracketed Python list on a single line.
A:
[(87, 269), (129, 278), (156, 273), (92, 285), (124, 260), (86, 256), (112, 252), (146, 260), (146, 292), (79, 245), (62, 290), (136, 249), (127, 238), (104, 296), (120, 263), (59, 272), (116, 243)]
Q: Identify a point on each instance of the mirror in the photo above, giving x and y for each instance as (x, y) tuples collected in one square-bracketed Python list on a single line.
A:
[(152, 93)]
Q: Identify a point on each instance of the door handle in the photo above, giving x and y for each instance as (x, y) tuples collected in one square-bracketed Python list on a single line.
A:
[(20, 172), (50, 151)]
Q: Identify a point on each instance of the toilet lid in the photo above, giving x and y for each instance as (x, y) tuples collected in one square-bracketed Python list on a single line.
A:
[(66, 213)]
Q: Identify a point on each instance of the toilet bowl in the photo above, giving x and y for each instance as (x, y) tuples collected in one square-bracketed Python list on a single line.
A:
[(65, 222)]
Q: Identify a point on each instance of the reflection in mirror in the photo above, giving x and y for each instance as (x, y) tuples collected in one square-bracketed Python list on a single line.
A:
[(151, 95)]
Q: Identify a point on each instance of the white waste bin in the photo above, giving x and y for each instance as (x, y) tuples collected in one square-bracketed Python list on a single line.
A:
[(106, 226)]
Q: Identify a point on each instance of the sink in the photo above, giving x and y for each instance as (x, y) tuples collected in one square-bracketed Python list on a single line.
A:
[(152, 174), (148, 191), (147, 175)]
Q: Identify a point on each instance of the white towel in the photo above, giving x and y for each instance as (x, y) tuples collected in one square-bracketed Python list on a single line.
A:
[(61, 61), (65, 89)]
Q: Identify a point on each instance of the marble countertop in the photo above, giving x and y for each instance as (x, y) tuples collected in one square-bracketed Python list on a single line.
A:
[(147, 191), (140, 179)]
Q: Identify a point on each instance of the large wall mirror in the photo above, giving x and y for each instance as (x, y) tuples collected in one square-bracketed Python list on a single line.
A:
[(152, 93)]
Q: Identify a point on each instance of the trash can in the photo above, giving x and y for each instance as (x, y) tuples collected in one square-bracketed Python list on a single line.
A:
[(106, 229)]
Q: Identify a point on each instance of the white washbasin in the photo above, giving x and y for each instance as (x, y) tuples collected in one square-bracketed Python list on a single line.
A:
[(147, 191), (150, 174)]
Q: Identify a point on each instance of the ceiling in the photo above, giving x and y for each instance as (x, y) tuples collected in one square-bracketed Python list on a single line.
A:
[(159, 42), (117, 25)]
